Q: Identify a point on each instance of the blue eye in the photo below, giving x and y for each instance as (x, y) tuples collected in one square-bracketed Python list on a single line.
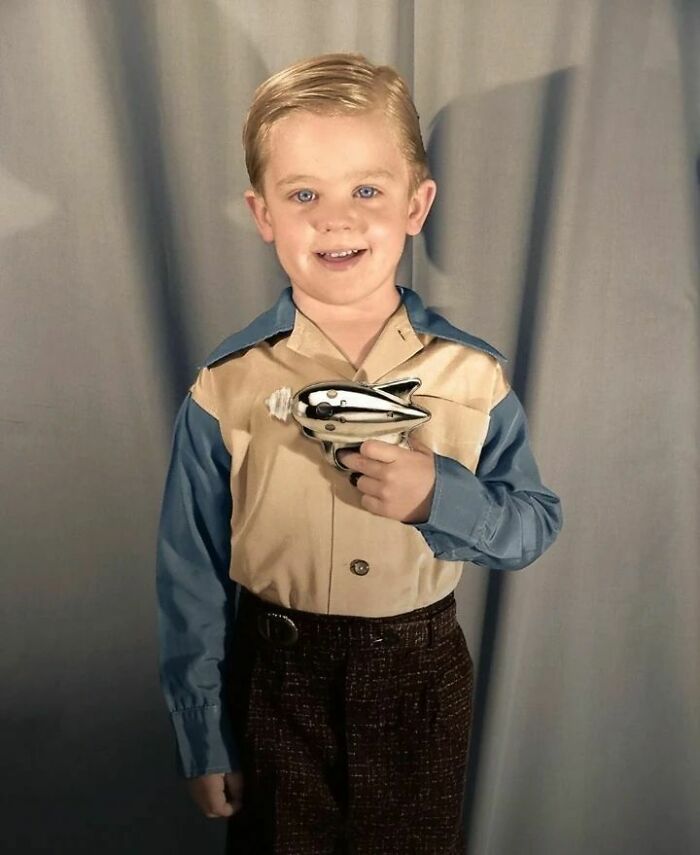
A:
[(374, 190)]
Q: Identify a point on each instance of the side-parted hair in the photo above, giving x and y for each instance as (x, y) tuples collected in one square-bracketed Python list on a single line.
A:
[(334, 84)]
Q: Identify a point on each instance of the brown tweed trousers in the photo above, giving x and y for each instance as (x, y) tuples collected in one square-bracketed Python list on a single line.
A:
[(354, 735)]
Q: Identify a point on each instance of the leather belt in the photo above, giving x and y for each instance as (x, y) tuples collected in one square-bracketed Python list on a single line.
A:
[(287, 627)]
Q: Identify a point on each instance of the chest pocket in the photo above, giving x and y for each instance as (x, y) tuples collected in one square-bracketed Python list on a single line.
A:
[(454, 430)]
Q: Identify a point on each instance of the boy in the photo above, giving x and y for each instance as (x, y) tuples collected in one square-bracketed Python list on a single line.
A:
[(318, 682)]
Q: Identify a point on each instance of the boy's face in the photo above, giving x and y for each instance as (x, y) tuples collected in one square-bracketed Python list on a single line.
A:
[(332, 208)]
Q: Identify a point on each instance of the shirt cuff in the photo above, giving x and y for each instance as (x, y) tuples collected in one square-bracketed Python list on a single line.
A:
[(204, 742), (461, 508)]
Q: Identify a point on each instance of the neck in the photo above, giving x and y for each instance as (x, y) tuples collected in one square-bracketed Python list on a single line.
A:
[(353, 328), (371, 310)]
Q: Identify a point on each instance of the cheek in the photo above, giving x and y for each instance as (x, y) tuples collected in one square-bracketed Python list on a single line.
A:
[(389, 224), (379, 232), (292, 233), (390, 239)]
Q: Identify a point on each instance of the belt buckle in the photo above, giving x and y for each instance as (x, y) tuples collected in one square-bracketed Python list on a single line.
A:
[(281, 631)]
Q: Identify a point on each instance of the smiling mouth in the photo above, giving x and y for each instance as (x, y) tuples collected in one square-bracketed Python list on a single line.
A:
[(340, 263), (345, 254)]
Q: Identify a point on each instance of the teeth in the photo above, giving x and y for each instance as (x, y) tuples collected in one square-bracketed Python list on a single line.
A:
[(341, 254)]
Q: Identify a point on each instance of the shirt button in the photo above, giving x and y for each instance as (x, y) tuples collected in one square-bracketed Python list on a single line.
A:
[(359, 567)]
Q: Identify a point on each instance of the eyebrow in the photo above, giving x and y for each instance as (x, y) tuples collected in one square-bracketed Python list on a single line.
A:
[(373, 173)]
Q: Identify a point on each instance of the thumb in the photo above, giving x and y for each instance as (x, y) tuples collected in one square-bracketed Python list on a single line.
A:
[(219, 805)]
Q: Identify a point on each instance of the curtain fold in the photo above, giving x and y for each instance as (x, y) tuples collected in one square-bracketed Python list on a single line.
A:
[(564, 137)]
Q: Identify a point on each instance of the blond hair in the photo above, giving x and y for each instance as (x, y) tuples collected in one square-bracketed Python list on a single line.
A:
[(334, 84)]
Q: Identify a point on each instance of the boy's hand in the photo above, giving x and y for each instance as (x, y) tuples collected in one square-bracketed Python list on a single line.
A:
[(396, 482), (210, 793)]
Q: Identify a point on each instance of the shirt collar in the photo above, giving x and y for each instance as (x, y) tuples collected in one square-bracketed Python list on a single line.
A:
[(396, 342), (280, 319)]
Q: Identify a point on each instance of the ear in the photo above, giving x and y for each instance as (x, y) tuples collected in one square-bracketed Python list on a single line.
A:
[(261, 215), (420, 205)]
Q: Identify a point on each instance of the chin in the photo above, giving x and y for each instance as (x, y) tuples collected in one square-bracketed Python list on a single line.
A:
[(333, 296), (338, 293)]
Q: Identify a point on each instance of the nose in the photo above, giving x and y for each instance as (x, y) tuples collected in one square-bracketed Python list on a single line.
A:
[(334, 216)]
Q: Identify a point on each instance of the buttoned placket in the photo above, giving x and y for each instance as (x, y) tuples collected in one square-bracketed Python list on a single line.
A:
[(396, 344)]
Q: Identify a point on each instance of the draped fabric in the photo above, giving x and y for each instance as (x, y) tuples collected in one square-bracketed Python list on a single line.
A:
[(563, 136)]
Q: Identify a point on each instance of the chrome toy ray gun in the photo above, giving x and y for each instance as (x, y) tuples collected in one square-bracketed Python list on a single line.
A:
[(342, 414)]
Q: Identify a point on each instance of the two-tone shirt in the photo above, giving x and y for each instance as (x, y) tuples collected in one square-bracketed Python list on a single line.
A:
[(250, 501)]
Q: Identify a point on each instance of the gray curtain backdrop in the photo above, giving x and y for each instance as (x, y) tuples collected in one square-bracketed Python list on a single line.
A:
[(563, 135)]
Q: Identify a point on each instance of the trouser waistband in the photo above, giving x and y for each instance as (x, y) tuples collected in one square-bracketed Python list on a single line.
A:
[(284, 627)]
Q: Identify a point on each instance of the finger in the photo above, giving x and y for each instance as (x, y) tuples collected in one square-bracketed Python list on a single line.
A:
[(365, 466), (372, 504), (384, 452), (349, 458), (347, 454), (219, 807), (344, 456), (210, 794), (368, 486)]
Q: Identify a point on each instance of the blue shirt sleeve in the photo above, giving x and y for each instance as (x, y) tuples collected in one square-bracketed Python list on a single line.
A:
[(502, 517), (195, 594)]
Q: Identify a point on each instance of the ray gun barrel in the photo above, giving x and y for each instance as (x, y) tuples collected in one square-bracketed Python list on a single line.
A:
[(342, 414)]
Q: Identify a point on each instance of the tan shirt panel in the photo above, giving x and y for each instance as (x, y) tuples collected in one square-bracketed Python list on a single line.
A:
[(297, 522)]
